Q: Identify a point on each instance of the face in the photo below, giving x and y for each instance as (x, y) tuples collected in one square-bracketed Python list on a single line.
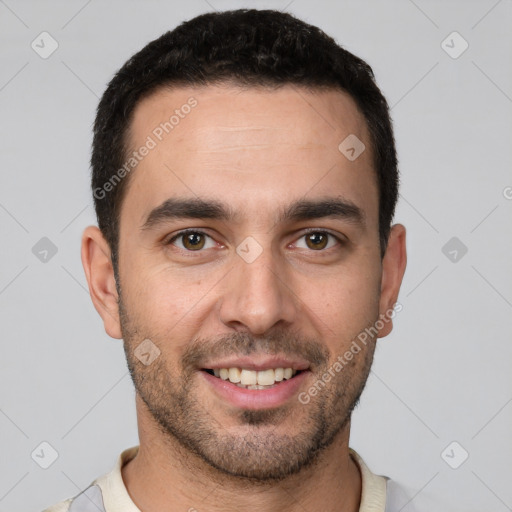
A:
[(279, 268)]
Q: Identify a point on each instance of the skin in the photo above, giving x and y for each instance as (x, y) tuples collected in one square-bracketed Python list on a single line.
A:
[(257, 151)]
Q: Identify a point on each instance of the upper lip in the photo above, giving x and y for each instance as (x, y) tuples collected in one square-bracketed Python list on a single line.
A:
[(259, 363)]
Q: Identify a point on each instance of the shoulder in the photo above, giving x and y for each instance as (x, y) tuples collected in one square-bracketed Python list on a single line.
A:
[(397, 497), (381, 493), (104, 493), (89, 500), (62, 506), (400, 496)]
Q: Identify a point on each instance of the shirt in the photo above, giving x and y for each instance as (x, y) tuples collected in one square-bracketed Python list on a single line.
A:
[(109, 494)]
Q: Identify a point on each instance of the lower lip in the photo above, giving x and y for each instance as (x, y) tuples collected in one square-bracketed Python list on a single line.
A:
[(256, 398)]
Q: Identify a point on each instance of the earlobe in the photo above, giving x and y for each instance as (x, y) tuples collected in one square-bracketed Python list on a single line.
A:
[(393, 269), (97, 263)]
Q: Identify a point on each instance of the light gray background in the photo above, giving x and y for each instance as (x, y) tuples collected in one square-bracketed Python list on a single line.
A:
[(443, 375)]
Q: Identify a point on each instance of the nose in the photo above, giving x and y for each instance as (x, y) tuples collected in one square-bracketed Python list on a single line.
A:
[(259, 295)]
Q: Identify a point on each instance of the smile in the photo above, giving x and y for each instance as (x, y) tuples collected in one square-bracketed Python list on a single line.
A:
[(255, 389), (251, 379)]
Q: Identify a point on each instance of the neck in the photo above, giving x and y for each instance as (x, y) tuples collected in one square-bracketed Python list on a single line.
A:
[(165, 476)]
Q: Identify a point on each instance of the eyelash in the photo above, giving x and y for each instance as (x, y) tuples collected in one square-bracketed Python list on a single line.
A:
[(199, 232)]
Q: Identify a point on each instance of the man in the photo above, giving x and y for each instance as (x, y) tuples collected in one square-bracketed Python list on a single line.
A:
[(245, 180)]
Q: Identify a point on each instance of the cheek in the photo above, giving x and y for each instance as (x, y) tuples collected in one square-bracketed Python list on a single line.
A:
[(344, 304), (167, 299)]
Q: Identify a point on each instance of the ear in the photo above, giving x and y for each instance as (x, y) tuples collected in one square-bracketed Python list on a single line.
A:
[(393, 269), (97, 262)]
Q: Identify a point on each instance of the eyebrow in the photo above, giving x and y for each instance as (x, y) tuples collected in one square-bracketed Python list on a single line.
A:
[(302, 209)]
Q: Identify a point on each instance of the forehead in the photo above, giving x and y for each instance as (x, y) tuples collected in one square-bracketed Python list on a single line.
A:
[(250, 147), (223, 112)]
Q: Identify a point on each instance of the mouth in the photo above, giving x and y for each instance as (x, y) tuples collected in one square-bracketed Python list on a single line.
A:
[(247, 378), (258, 381), (261, 388)]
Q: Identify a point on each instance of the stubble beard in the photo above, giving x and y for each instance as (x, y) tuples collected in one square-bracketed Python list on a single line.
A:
[(258, 449)]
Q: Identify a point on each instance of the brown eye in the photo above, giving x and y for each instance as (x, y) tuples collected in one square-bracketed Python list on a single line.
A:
[(317, 240), (192, 241)]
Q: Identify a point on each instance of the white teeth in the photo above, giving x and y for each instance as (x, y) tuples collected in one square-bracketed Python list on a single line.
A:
[(248, 377), (266, 377), (234, 375), (252, 379), (279, 374)]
